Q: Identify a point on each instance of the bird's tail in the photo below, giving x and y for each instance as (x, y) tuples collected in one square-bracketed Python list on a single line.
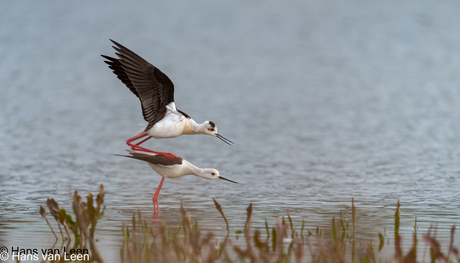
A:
[(141, 131)]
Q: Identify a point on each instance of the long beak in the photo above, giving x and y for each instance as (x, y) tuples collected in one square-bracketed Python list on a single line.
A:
[(220, 177), (222, 138)]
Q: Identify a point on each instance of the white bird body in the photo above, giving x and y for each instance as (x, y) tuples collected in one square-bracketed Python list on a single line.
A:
[(175, 171), (172, 167), (174, 124), (156, 94)]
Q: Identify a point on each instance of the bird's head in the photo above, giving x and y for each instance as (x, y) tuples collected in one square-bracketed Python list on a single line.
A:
[(211, 174), (210, 128)]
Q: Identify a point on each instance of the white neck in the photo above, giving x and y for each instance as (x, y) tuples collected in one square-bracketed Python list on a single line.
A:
[(193, 128), (193, 170)]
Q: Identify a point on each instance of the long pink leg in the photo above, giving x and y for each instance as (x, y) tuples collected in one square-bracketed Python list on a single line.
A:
[(155, 197), (139, 148)]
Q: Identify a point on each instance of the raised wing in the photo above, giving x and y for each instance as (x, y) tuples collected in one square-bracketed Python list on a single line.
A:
[(153, 88), (115, 65)]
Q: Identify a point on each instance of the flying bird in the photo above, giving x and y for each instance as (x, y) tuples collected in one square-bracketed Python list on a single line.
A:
[(156, 94), (172, 167)]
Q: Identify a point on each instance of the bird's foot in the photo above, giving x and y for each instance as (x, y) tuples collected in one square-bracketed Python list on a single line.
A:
[(167, 155)]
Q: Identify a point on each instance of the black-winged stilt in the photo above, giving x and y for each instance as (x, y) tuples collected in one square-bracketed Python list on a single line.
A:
[(156, 93), (172, 167)]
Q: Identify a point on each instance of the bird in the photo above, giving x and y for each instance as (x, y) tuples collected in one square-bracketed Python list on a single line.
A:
[(173, 167), (156, 94)]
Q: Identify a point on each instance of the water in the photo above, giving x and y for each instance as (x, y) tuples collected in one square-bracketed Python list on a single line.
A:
[(325, 101)]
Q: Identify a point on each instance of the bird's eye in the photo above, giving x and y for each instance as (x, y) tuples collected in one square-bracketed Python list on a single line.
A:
[(212, 129), (213, 173)]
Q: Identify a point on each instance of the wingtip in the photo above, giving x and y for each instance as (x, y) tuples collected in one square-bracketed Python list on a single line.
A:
[(109, 59), (118, 45), (114, 154), (130, 151)]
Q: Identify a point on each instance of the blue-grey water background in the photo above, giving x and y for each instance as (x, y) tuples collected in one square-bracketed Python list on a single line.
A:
[(325, 100)]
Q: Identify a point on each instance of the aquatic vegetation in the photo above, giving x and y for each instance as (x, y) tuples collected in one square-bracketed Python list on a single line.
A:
[(219, 208), (283, 242), (84, 226)]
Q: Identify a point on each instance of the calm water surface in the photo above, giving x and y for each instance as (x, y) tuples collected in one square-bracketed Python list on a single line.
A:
[(325, 101)]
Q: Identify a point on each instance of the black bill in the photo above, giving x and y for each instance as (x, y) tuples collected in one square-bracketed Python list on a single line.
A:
[(220, 177), (222, 138)]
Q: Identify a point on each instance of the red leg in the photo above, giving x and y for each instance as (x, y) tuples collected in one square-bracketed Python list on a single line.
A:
[(155, 197), (135, 139), (139, 143), (139, 148)]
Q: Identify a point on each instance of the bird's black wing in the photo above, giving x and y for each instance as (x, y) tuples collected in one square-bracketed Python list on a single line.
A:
[(153, 158), (183, 113), (115, 65), (154, 89)]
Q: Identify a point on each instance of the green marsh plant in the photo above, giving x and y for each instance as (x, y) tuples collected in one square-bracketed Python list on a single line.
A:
[(83, 222)]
